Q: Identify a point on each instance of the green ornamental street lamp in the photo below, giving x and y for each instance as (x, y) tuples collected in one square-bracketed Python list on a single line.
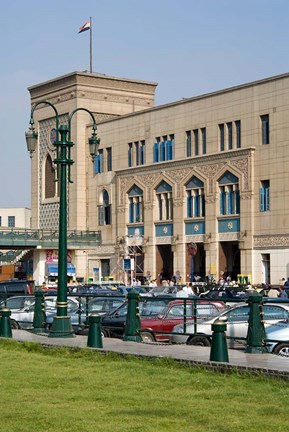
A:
[(61, 326)]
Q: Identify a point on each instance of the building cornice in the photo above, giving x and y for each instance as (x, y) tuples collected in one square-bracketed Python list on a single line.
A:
[(92, 81)]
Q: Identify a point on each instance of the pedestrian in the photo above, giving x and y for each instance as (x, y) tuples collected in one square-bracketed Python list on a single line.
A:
[(283, 294), (182, 292), (273, 293)]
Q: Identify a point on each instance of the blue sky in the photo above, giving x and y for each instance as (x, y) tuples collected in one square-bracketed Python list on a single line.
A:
[(189, 47)]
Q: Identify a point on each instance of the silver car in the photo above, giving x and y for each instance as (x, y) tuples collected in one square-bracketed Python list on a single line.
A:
[(22, 309), (236, 319), (22, 317), (277, 338)]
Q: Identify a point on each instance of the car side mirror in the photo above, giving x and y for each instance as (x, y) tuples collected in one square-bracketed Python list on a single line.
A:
[(223, 319)]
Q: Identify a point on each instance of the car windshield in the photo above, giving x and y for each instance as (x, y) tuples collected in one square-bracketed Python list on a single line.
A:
[(202, 311), (18, 302), (104, 304), (146, 308)]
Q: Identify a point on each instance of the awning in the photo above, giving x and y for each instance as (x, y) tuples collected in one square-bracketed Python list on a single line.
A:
[(52, 269)]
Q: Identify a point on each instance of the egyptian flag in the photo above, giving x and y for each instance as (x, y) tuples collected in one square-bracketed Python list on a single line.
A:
[(85, 27)]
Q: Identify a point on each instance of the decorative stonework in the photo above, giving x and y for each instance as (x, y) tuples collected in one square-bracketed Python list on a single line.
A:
[(246, 196), (274, 241), (164, 240), (124, 183), (198, 238), (178, 203), (229, 236), (103, 81), (211, 200), (179, 175), (149, 180), (210, 171), (120, 210), (242, 165), (48, 212)]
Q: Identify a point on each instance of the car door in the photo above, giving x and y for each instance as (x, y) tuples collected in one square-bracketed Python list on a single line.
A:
[(114, 323), (237, 322)]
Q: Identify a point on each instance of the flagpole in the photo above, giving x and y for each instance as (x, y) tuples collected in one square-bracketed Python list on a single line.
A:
[(90, 44)]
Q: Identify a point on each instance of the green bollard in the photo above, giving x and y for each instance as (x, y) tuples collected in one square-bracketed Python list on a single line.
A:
[(5, 324), (256, 330), (132, 324), (94, 339), (39, 318), (219, 350)]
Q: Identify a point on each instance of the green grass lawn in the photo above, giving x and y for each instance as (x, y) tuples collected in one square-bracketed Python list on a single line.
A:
[(58, 389)]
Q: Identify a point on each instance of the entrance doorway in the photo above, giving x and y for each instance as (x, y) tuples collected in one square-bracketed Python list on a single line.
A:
[(105, 269), (266, 268), (198, 264), (164, 263), (229, 259)]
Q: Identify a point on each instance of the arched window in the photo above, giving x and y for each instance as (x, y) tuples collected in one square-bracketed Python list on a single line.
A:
[(229, 194), (135, 200), (49, 179), (165, 201), (104, 210), (195, 198)]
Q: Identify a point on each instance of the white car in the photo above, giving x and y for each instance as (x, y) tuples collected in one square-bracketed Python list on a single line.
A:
[(236, 319), (277, 338), (22, 309)]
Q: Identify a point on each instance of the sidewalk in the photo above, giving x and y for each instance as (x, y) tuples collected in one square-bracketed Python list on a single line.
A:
[(268, 364)]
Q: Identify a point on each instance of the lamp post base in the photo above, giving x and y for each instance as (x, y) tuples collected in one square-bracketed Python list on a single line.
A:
[(61, 327)]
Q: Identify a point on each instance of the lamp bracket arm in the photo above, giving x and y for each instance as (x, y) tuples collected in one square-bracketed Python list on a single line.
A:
[(46, 103), (94, 127)]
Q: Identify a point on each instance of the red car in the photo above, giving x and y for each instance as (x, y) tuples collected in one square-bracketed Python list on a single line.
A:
[(173, 314)]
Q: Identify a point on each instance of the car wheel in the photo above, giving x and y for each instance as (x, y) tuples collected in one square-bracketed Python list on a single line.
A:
[(199, 341), (282, 349), (14, 325), (147, 337)]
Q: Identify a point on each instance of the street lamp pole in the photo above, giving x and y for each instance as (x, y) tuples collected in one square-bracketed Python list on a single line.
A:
[(61, 326)]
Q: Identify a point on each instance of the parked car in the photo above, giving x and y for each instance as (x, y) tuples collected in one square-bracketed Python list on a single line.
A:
[(143, 290), (78, 308), (163, 290), (100, 290), (277, 338), (23, 318), (18, 302), (231, 295), (157, 328), (236, 319), (113, 324), (16, 287)]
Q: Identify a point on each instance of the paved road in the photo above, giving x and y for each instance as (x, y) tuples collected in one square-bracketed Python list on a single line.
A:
[(263, 363)]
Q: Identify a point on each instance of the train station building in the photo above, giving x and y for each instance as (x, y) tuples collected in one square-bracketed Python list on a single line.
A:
[(197, 186)]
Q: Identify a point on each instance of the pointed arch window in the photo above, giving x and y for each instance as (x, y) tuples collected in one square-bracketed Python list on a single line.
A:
[(135, 200), (195, 198), (104, 210), (229, 195), (165, 201), (50, 185)]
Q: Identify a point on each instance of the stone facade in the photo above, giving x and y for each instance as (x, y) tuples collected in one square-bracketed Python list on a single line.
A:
[(232, 143)]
